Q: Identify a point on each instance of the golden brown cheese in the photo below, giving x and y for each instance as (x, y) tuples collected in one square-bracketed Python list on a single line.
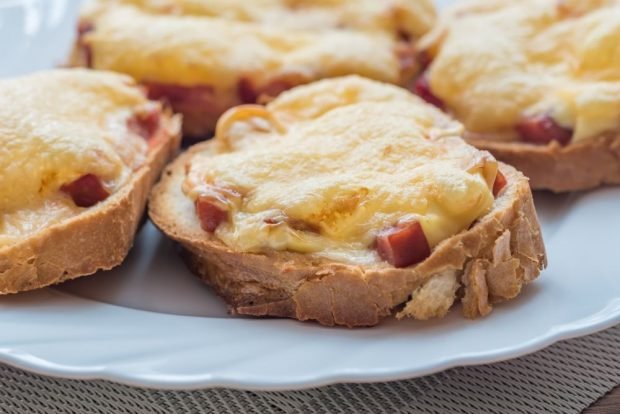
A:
[(217, 42), (56, 126), (414, 17), (498, 60), (348, 157)]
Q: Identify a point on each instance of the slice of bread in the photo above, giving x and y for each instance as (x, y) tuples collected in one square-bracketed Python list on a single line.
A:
[(97, 238), (207, 56), (539, 93), (485, 264)]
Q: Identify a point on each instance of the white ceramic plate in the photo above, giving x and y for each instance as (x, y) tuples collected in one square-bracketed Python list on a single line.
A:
[(151, 323)]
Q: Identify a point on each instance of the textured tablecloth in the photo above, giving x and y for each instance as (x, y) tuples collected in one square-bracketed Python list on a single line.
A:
[(564, 378)]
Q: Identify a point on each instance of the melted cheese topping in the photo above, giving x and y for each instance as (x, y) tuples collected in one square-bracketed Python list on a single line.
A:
[(349, 157), (412, 16), (217, 42), (56, 126), (498, 60)]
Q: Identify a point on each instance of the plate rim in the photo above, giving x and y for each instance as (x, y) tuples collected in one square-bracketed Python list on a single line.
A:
[(605, 318)]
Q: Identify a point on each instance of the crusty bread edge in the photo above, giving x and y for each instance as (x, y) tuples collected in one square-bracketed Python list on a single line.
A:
[(98, 238), (582, 165), (490, 262)]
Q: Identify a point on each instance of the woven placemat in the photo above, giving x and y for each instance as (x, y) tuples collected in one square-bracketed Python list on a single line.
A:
[(564, 378)]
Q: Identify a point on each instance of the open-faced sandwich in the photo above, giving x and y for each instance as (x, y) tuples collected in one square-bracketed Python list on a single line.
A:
[(205, 56), (80, 151), (345, 201), (536, 82)]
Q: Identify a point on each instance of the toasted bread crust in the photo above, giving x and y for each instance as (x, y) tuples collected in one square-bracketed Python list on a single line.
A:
[(492, 260), (97, 239), (586, 164)]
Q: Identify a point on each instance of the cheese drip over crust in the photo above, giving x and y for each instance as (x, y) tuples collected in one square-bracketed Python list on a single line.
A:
[(55, 127), (496, 61), (347, 157), (216, 43)]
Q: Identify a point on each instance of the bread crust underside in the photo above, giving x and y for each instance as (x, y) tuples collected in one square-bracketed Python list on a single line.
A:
[(583, 165)]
